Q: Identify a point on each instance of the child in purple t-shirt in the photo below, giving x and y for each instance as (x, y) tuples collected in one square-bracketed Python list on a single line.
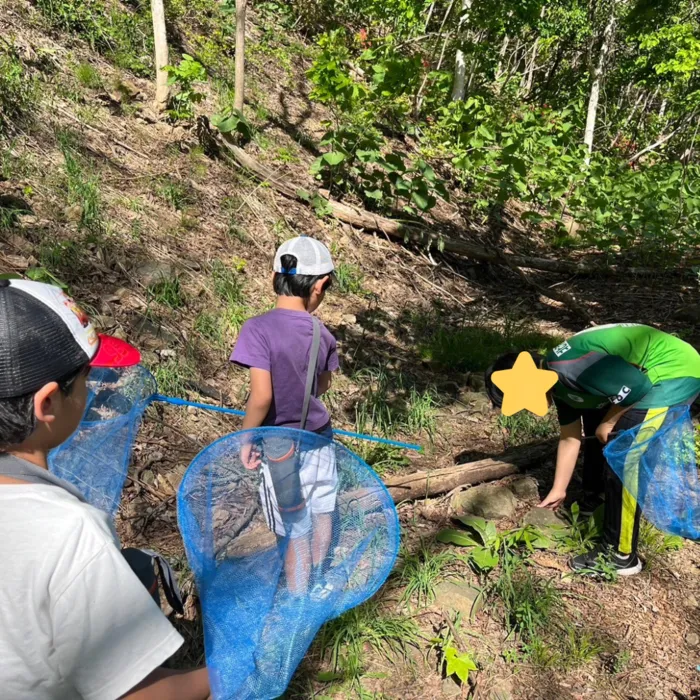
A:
[(275, 347)]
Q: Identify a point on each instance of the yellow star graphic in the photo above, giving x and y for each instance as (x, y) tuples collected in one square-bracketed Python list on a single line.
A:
[(524, 386)]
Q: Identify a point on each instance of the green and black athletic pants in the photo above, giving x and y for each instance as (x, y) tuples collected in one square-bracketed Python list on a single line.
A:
[(622, 512)]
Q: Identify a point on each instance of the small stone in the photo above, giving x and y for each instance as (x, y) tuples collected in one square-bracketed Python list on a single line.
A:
[(458, 597), (167, 352), (154, 271), (477, 381), (148, 477), (525, 488), (543, 518), (450, 689), (692, 639), (488, 501), (691, 602), (349, 319), (502, 691)]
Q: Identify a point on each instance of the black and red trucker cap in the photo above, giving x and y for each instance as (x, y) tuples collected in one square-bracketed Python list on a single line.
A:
[(45, 336)]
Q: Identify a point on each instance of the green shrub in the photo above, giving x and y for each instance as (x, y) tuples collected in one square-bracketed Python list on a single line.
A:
[(185, 76)]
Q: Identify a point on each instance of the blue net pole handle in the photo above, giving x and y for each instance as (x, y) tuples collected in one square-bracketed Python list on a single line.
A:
[(235, 412)]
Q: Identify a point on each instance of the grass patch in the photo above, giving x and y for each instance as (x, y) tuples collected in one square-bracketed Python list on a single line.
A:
[(524, 427), (534, 614), (229, 289), (654, 545), (384, 459), (471, 348), (124, 37), (167, 292), (349, 279), (172, 376), (344, 641), (419, 572), (582, 533), (83, 186), (88, 76), (175, 193), (208, 326), (18, 90), (390, 405)]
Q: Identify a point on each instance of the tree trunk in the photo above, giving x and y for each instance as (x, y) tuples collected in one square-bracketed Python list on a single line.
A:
[(530, 72), (160, 41), (408, 487), (501, 56), (239, 94), (594, 97), (460, 60)]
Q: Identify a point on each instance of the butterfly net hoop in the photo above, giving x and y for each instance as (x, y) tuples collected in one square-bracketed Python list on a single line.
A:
[(95, 459), (279, 549), (656, 462)]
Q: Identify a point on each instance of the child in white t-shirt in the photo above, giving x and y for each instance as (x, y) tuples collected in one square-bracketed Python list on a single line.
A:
[(75, 621)]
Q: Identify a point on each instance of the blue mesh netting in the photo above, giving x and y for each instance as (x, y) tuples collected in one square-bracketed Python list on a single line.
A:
[(95, 459), (656, 462), (252, 537)]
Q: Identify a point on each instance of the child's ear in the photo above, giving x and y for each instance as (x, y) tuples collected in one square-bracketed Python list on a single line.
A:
[(45, 402), (320, 284)]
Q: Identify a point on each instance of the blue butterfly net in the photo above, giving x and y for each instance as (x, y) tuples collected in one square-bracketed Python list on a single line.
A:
[(95, 459), (284, 530), (656, 462)]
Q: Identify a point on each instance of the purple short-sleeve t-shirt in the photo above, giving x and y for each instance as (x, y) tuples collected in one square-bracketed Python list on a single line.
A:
[(279, 341)]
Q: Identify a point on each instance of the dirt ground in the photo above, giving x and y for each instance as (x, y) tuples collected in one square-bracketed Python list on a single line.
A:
[(164, 201)]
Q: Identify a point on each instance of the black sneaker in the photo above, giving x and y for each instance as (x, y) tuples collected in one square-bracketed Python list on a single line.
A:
[(590, 502), (603, 561)]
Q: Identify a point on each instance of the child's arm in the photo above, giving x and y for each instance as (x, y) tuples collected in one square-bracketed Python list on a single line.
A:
[(260, 398), (166, 684), (256, 409), (325, 380)]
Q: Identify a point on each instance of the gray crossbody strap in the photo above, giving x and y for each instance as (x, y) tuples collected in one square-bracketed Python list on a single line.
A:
[(26, 471), (311, 373)]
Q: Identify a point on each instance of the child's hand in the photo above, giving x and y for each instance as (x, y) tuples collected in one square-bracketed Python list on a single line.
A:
[(554, 499), (250, 456)]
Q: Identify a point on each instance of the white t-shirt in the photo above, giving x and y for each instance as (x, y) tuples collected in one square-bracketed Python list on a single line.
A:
[(75, 621)]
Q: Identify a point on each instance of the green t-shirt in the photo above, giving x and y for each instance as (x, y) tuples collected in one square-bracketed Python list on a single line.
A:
[(622, 363)]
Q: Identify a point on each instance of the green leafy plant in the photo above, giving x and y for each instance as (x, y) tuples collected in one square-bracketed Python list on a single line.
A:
[(487, 547), (185, 76), (233, 121), (582, 532), (349, 279), (452, 661)]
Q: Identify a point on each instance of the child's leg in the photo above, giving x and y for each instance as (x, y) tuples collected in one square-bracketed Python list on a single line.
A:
[(593, 475), (622, 512), (297, 565), (321, 540)]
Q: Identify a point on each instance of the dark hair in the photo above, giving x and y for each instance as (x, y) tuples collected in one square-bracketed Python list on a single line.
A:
[(297, 285), (504, 362), (17, 419)]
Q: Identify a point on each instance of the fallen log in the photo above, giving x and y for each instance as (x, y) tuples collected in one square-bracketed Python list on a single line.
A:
[(407, 487), (429, 238)]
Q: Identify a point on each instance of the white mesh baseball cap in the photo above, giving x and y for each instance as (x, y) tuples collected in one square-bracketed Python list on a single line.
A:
[(313, 258)]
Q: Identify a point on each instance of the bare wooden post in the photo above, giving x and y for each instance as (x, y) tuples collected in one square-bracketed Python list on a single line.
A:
[(160, 41), (240, 55)]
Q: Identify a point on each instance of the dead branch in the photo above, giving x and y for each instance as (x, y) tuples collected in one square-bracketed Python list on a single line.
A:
[(426, 484)]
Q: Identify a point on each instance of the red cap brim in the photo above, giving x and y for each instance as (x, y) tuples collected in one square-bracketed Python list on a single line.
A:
[(113, 352)]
